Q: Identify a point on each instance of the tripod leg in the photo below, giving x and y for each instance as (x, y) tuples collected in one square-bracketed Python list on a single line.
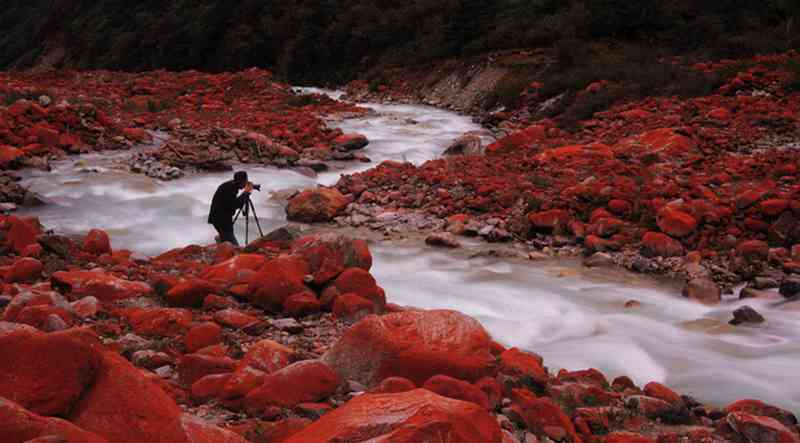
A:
[(246, 228), (255, 216)]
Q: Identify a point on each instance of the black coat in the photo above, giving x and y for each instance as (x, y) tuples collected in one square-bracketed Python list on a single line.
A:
[(225, 203)]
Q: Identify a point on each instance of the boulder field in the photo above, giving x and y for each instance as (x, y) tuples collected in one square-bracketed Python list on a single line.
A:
[(291, 340), (697, 187)]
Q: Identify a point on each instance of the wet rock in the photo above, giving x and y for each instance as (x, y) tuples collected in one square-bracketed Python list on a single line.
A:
[(350, 142), (542, 416), (400, 418), (759, 429), (703, 290), (746, 314), (599, 260)]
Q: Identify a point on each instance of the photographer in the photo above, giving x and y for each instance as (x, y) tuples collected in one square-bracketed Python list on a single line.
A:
[(225, 204)]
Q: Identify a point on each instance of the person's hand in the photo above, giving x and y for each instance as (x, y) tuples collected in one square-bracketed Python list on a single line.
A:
[(248, 188)]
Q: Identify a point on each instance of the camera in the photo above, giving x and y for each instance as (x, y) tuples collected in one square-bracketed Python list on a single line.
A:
[(256, 187)]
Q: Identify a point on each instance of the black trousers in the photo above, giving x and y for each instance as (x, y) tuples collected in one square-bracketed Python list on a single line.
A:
[(226, 234)]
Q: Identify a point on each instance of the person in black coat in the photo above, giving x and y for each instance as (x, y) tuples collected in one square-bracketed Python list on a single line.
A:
[(225, 204)]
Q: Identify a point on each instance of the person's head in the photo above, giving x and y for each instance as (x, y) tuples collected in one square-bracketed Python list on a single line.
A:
[(240, 177)]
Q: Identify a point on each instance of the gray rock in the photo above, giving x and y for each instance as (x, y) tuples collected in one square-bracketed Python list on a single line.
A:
[(289, 325), (703, 290), (54, 323), (790, 288), (746, 314), (130, 343), (599, 259), (468, 144), (443, 239)]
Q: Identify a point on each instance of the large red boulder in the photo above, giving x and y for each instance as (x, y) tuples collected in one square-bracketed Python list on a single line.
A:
[(125, 406), (406, 417), (97, 242), (316, 205), (756, 428), (302, 382), (277, 280), (522, 364), (18, 425), (46, 373), (757, 407), (413, 344), (656, 244), (105, 287)]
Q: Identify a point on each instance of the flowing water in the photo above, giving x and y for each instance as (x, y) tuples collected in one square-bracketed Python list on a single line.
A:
[(573, 320)]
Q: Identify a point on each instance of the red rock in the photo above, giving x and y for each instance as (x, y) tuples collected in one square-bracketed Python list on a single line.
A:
[(350, 142), (606, 227), (210, 386), (201, 336), (137, 135), (98, 284), (198, 431), (18, 425), (33, 251), (316, 205), (351, 307), (393, 385), (24, 269), (301, 382), (756, 407), (277, 280), (753, 250), (522, 364), (230, 271), (190, 292), (493, 390), (86, 307), (43, 317), (46, 373), (361, 283), (124, 406), (97, 242), (656, 244), (241, 383), (301, 305), (22, 232), (458, 389), (702, 290), (160, 322), (413, 344), (47, 136), (661, 392), (760, 429), (594, 243), (271, 432), (552, 221), (268, 356), (676, 223), (193, 367), (407, 417), (9, 155), (213, 301), (542, 416), (774, 207), (619, 207), (233, 318), (749, 198)]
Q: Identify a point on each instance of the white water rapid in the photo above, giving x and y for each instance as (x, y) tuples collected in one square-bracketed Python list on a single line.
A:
[(574, 321)]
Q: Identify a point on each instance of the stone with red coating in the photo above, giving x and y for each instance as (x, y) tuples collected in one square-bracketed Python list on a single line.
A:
[(302, 382), (458, 389), (233, 318), (676, 223), (160, 322), (552, 221), (656, 244), (406, 417), (301, 304), (277, 280), (543, 416), (661, 392), (351, 307), (18, 425), (101, 285), (361, 283), (393, 385), (210, 386), (316, 205), (23, 270), (756, 428), (193, 367), (522, 364), (413, 344), (97, 242), (202, 335), (753, 250), (190, 292)]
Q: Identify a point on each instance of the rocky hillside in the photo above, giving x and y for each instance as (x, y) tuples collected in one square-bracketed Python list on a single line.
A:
[(337, 40), (278, 343)]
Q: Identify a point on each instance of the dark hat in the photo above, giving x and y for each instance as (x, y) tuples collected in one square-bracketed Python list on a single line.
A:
[(240, 176)]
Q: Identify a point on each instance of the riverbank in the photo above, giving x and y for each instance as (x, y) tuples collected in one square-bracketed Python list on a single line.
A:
[(225, 336)]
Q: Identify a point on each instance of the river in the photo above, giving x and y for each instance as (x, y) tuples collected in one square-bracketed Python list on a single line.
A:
[(574, 318)]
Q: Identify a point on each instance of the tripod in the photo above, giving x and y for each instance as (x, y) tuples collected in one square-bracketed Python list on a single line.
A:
[(245, 209)]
